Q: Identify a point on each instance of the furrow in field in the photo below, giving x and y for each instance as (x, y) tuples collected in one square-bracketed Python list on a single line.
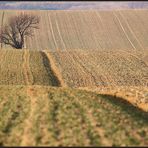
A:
[(26, 66), (75, 69), (49, 116), (117, 39), (49, 33), (101, 75), (78, 31), (93, 122), (41, 128), (105, 32), (12, 114), (28, 137), (86, 69), (131, 29), (128, 32), (96, 35), (138, 21), (54, 39), (57, 26), (44, 125), (88, 79), (67, 31), (11, 67), (68, 130), (124, 31), (87, 30), (111, 68), (58, 38)]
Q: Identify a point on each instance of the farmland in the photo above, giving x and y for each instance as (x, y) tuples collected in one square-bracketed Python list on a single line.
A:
[(25, 68), (66, 30), (72, 82), (41, 116), (101, 68), (115, 72)]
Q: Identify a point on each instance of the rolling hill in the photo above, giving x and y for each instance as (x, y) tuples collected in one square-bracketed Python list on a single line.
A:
[(51, 116), (87, 29), (72, 83), (115, 73)]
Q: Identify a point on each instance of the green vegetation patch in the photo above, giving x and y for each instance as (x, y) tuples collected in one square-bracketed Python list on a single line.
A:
[(50, 116)]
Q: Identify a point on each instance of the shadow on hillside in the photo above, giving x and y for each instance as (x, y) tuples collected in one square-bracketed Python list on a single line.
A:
[(133, 111), (54, 79)]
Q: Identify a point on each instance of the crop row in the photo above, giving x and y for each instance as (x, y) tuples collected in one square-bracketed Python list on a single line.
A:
[(25, 68), (43, 116), (87, 30), (101, 68)]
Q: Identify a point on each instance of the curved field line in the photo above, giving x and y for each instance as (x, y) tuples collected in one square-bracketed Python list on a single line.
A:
[(77, 31), (100, 19), (73, 61), (85, 68), (134, 56), (102, 26), (108, 78), (55, 69), (95, 38), (27, 137), (26, 67), (131, 30), (99, 130), (124, 31), (60, 34), (93, 121), (52, 32), (3, 54)]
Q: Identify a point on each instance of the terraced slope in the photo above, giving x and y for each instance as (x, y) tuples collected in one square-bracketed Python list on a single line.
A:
[(48, 116), (90, 29), (26, 68)]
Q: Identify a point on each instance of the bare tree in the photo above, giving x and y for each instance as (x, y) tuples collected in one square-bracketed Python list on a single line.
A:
[(18, 27)]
